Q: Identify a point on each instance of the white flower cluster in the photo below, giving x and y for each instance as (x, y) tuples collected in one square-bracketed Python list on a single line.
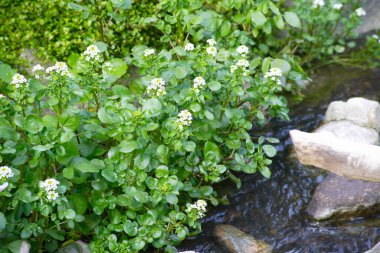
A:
[(49, 186), (376, 37), (318, 3), (36, 69), (360, 12), (189, 47), (92, 53), (18, 80), (6, 172), (211, 50), (148, 52), (199, 206), (184, 119), (198, 83), (242, 64), (2, 96), (242, 50), (274, 74), (337, 6), (211, 42), (156, 87), (60, 68)]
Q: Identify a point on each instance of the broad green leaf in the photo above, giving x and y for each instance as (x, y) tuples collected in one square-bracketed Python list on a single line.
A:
[(3, 221), (109, 175), (114, 69), (128, 146), (269, 150), (213, 148), (80, 202), (34, 124), (265, 172), (258, 18), (279, 22), (292, 19), (225, 28), (162, 171), (172, 199), (180, 72), (265, 65), (84, 165), (214, 85), (6, 73)]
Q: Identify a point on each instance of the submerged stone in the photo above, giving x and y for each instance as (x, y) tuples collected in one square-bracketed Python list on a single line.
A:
[(338, 195), (236, 241)]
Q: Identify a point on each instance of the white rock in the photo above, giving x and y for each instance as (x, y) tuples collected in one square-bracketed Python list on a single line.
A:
[(347, 130), (375, 249), (342, 157), (360, 111)]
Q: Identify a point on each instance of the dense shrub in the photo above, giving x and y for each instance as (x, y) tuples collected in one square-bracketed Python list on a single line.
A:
[(130, 167), (302, 32)]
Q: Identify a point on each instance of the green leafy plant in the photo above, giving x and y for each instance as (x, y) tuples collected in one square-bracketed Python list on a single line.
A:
[(130, 166)]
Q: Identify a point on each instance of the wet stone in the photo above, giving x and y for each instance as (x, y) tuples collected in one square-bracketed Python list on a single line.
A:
[(338, 195), (236, 241)]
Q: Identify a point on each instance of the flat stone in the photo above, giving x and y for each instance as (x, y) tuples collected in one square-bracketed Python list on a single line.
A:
[(343, 157), (340, 195), (361, 111), (350, 131), (375, 249), (236, 241)]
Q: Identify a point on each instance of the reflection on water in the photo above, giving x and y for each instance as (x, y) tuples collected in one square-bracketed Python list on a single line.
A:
[(274, 210)]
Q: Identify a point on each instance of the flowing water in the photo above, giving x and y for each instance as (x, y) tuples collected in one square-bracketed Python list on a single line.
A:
[(273, 209)]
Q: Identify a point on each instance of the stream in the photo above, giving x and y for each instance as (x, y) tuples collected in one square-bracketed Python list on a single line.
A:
[(273, 210)]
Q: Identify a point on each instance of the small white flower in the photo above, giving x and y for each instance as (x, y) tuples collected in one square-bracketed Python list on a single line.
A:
[(2, 96), (184, 119), (199, 206), (375, 36), (49, 184), (211, 50), (360, 12), (318, 3), (242, 63), (6, 172), (189, 47), (92, 53), (274, 74), (243, 50), (199, 82), (233, 68), (36, 68), (148, 52), (157, 87), (51, 195), (18, 80), (337, 6), (60, 68), (211, 42)]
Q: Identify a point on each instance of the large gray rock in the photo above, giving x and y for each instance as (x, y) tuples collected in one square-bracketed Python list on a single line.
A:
[(339, 195), (375, 249), (236, 241), (350, 131), (372, 20), (361, 111)]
